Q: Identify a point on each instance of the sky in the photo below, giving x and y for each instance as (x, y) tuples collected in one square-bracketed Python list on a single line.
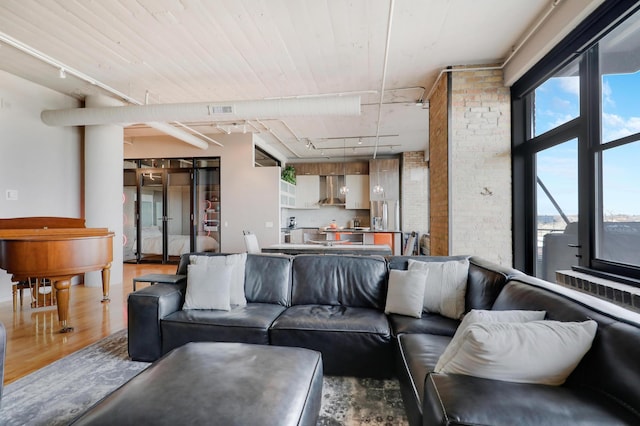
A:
[(557, 102)]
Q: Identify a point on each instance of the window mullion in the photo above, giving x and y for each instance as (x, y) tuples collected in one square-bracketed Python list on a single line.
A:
[(589, 178)]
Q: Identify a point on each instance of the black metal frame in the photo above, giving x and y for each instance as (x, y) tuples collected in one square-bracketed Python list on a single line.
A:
[(580, 43)]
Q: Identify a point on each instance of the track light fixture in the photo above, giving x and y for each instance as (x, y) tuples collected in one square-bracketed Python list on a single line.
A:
[(62, 73)]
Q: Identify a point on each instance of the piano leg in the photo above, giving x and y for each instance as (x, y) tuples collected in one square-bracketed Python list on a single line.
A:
[(62, 286), (106, 276)]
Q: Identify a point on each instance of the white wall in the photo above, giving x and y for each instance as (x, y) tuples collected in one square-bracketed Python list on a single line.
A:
[(42, 163), (249, 195), (480, 166)]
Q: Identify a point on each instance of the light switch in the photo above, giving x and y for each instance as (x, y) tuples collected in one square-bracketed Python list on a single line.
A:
[(268, 224), (12, 194)]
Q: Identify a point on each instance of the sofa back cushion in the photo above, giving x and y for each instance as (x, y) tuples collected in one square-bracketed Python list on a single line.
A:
[(484, 283), (267, 278), (486, 280), (611, 366), (355, 281)]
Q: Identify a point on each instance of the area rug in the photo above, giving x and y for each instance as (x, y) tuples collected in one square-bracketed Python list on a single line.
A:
[(59, 392)]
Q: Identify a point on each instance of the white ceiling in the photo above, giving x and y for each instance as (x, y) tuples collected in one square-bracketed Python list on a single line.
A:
[(177, 51)]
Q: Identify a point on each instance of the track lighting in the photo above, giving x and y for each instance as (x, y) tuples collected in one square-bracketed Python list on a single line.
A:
[(62, 73)]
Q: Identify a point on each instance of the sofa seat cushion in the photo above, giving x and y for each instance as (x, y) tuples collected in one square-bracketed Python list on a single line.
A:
[(417, 356), (362, 334), (452, 399), (429, 323), (244, 324)]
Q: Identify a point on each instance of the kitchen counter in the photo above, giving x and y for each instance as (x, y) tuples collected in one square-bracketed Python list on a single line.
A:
[(361, 235), (358, 230), (359, 249)]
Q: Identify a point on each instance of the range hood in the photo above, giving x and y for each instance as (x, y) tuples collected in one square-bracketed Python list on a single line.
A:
[(331, 191)]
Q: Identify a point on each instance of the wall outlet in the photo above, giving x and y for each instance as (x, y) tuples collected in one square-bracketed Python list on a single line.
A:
[(12, 194)]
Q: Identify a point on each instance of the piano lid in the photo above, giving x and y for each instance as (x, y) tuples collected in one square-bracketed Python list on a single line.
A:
[(42, 222)]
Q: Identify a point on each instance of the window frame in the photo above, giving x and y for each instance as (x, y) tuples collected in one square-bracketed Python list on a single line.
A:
[(581, 44)]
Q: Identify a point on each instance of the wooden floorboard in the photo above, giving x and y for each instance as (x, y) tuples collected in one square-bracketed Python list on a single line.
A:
[(33, 338)]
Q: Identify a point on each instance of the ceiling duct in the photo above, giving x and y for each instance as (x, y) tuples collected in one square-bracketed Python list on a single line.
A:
[(204, 111)]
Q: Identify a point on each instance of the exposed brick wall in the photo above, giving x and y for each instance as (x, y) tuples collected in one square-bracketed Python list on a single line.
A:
[(414, 189), (480, 165), (439, 170)]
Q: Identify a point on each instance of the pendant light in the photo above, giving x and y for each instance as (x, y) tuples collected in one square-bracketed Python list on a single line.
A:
[(344, 189), (378, 189)]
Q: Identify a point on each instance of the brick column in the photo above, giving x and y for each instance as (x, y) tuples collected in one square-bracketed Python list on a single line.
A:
[(470, 166)]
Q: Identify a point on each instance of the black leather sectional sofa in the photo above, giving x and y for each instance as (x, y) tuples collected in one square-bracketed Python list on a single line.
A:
[(335, 305)]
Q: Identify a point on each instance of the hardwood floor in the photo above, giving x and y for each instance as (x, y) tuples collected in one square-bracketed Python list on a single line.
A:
[(33, 338)]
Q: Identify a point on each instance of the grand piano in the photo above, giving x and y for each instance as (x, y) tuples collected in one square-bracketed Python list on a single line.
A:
[(56, 248)]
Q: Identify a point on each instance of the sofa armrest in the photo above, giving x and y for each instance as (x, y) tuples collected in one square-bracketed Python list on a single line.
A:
[(145, 309), (454, 399)]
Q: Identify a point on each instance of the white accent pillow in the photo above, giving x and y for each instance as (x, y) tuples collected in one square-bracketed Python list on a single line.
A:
[(543, 352), (446, 286), (406, 292), (208, 287), (477, 315), (238, 262)]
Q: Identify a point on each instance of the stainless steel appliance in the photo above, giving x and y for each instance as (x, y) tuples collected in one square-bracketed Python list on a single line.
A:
[(385, 215)]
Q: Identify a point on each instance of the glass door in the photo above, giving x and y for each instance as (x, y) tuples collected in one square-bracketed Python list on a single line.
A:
[(207, 216), (151, 239), (177, 215), (171, 207), (130, 216)]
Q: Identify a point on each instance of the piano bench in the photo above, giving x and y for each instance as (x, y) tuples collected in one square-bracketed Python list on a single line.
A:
[(45, 298)]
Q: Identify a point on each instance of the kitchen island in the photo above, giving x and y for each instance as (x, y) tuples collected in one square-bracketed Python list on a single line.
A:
[(368, 236), (357, 249)]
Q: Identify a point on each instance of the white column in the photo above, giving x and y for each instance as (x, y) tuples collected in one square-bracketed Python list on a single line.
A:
[(103, 159)]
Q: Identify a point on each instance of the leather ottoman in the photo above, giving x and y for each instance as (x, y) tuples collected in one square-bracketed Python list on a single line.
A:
[(218, 383)]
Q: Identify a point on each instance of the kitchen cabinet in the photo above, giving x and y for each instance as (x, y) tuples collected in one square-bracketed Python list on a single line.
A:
[(386, 173), (329, 169), (306, 169), (307, 192), (392, 239), (358, 195), (287, 194), (357, 168)]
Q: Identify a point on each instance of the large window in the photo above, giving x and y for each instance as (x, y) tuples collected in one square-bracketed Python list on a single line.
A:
[(557, 100), (576, 148)]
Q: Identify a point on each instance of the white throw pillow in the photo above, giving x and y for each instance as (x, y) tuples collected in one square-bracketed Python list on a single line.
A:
[(208, 287), (543, 352), (477, 315), (237, 262), (406, 292), (446, 286)]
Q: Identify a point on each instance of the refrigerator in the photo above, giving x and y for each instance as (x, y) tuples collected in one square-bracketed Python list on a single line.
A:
[(385, 215)]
